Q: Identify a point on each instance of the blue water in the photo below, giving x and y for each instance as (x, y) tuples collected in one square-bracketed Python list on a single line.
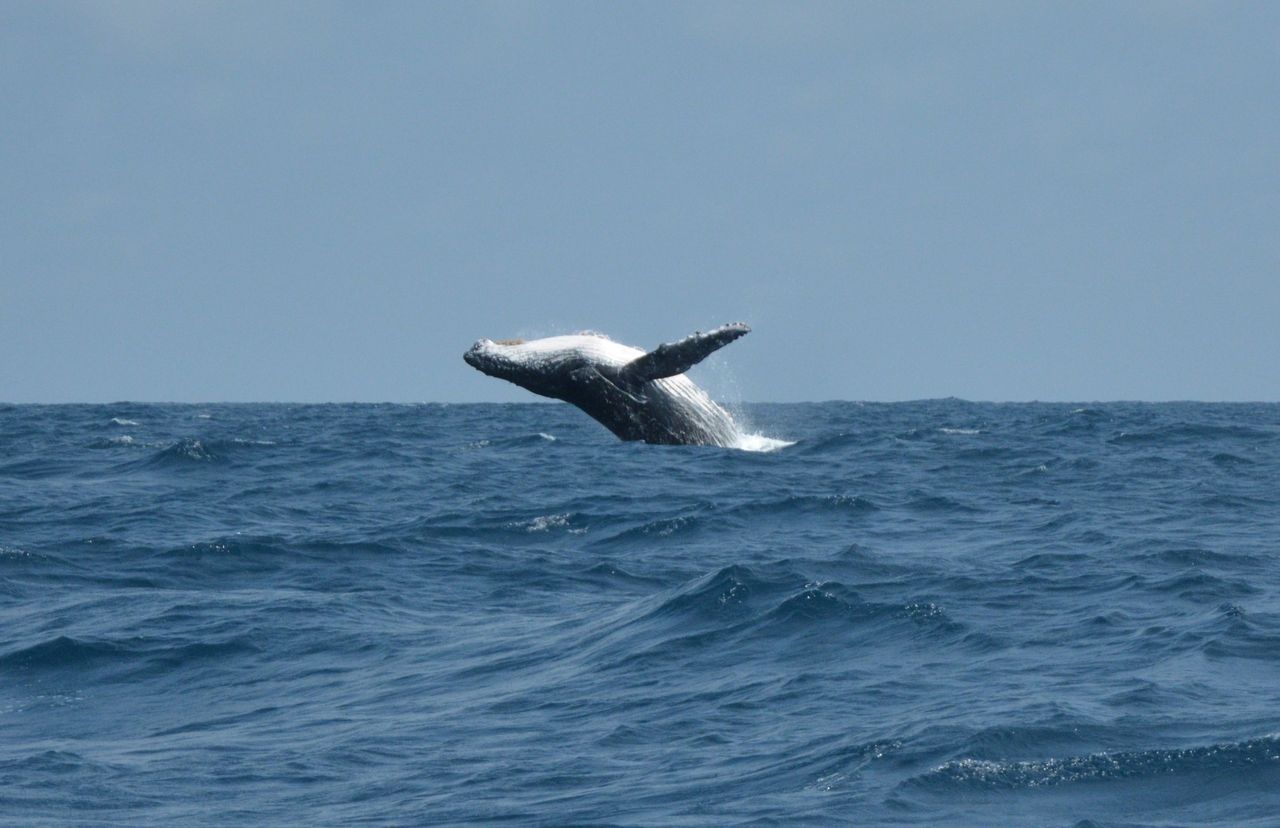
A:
[(919, 614)]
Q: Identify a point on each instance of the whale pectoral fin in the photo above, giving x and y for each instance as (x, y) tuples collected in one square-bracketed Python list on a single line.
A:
[(673, 358), (610, 390)]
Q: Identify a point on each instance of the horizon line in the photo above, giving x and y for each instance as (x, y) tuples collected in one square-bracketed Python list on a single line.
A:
[(1185, 400)]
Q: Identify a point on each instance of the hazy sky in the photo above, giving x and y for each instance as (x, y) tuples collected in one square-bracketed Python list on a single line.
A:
[(312, 201)]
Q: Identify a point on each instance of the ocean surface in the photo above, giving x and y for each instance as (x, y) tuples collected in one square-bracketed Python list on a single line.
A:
[(929, 613)]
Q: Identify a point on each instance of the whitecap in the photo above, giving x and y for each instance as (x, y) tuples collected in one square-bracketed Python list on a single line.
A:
[(959, 431), (121, 421), (544, 522)]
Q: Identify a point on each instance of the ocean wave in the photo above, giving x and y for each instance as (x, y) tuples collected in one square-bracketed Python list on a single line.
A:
[(828, 444), (1180, 433), (922, 502), (183, 451), (60, 652), (835, 602), (115, 442), (254, 553), (12, 553), (682, 526), (708, 520), (514, 442), (191, 450), (988, 774), (807, 504), (66, 653), (724, 591), (546, 523), (1198, 585), (778, 599), (884, 623)]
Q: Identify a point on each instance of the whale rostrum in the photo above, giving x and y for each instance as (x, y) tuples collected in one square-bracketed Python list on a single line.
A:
[(634, 394)]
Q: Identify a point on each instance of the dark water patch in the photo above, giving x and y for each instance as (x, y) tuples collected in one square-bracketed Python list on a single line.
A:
[(536, 440), (195, 452), (1183, 433), (1261, 754), (682, 526), (63, 653), (37, 467), (1236, 502), (732, 591), (1232, 632), (826, 444), (1228, 460), (1183, 556), (992, 454), (826, 603), (1078, 422), (1142, 694), (49, 762), (994, 743), (801, 505), (1060, 521), (252, 557), (1200, 586), (495, 526), (923, 502), (613, 575), (1035, 501)]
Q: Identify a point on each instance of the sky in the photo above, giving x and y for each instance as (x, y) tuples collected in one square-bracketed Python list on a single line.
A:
[(222, 201)]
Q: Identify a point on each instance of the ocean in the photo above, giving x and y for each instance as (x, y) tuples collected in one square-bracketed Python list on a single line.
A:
[(927, 613)]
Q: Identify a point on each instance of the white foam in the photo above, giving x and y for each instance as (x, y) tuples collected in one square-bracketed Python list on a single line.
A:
[(545, 522), (121, 421), (959, 431), (759, 442)]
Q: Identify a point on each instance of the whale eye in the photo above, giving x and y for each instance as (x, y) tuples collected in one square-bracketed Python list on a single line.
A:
[(509, 342)]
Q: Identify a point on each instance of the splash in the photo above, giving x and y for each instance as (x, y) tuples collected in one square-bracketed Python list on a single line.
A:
[(759, 442)]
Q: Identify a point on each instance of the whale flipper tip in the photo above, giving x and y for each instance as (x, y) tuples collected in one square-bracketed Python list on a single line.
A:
[(673, 358)]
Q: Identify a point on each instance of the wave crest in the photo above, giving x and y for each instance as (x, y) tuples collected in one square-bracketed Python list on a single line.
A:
[(995, 775)]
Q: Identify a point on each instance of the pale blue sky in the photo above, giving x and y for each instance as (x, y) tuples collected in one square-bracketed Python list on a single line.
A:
[(314, 201)]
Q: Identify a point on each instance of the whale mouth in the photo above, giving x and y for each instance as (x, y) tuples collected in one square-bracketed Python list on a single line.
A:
[(487, 357), (475, 357), (490, 355)]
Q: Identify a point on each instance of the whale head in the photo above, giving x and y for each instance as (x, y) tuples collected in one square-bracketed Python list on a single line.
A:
[(540, 365)]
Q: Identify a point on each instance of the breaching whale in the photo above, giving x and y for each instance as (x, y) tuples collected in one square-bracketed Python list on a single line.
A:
[(634, 394)]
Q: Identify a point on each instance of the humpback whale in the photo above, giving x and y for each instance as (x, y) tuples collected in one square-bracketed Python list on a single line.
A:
[(635, 394)]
